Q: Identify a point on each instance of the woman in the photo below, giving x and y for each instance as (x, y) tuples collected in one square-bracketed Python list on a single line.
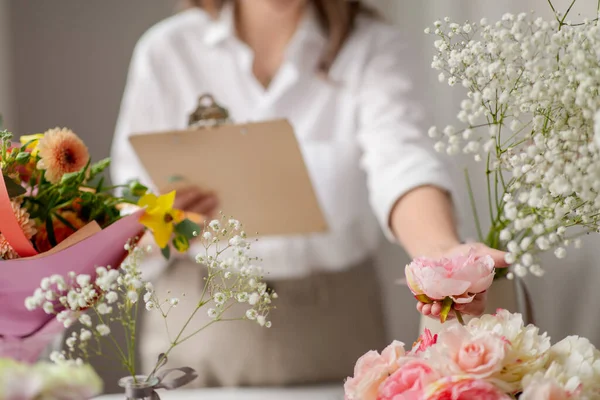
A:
[(334, 71)]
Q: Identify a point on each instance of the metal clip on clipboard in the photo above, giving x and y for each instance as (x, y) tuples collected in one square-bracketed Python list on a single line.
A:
[(208, 113)]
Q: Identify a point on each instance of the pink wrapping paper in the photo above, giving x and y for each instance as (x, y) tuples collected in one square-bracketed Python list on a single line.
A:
[(19, 278)]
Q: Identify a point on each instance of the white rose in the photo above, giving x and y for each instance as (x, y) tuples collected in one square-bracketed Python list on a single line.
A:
[(528, 350)]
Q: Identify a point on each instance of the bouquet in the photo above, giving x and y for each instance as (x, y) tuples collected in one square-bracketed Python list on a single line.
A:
[(57, 216), (491, 358), (531, 101), (112, 296)]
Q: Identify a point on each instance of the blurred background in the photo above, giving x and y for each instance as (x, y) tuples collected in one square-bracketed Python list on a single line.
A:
[(64, 63)]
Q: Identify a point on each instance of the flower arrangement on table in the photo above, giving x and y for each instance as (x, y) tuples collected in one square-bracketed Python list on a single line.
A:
[(531, 98), (112, 295), (493, 357)]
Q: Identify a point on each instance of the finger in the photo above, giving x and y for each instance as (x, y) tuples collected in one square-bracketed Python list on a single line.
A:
[(497, 256), (187, 198), (205, 206), (436, 309), (426, 310)]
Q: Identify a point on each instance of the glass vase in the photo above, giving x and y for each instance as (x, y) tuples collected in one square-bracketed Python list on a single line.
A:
[(140, 388)]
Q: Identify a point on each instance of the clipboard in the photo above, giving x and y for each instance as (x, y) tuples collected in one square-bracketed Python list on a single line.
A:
[(256, 170)]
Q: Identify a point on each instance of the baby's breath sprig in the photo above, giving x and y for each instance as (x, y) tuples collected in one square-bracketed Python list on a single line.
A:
[(532, 98), (113, 294)]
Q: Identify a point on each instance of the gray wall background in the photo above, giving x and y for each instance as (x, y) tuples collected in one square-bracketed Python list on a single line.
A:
[(64, 63)]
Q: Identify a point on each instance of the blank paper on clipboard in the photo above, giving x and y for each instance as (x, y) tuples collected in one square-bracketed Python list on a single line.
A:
[(256, 170)]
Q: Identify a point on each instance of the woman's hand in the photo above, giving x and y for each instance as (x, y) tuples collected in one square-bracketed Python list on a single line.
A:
[(477, 306), (191, 199)]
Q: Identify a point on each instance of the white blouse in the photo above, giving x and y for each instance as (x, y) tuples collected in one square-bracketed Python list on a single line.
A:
[(355, 128)]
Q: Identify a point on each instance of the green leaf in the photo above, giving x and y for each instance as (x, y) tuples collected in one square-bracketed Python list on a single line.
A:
[(181, 243), (23, 157), (6, 136), (99, 167), (137, 189), (188, 229), (69, 178), (166, 252), (13, 188), (50, 230), (446, 307), (64, 221)]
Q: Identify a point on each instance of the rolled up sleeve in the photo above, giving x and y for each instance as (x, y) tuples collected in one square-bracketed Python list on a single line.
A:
[(397, 155)]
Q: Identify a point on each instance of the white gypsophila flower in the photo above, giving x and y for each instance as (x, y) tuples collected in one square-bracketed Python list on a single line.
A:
[(48, 307), (70, 342), (215, 225), (212, 313), (111, 297), (150, 305), (149, 287), (103, 330), (261, 319), (174, 301), (132, 295), (104, 309), (220, 298), (85, 320), (253, 299), (147, 296), (528, 350), (85, 335), (251, 314)]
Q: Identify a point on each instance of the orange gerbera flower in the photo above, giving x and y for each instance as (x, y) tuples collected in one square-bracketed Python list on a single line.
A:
[(27, 225), (61, 151), (61, 230)]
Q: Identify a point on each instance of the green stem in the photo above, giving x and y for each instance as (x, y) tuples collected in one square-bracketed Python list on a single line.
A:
[(473, 206), (459, 317), (489, 188), (562, 21)]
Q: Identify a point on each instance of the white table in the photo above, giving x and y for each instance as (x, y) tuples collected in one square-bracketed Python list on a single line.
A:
[(316, 393)]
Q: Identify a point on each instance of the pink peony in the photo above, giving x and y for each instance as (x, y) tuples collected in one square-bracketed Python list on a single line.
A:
[(460, 277), (371, 370), (544, 390), (463, 388), (424, 341), (408, 382), (460, 352)]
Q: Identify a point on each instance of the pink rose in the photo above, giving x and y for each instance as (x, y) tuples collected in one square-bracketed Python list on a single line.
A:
[(460, 277), (392, 354), (544, 390), (460, 352), (408, 382), (463, 388), (371, 370), (424, 341)]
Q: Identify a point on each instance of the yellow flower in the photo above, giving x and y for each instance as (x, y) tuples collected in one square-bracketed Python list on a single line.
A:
[(33, 141), (160, 217)]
